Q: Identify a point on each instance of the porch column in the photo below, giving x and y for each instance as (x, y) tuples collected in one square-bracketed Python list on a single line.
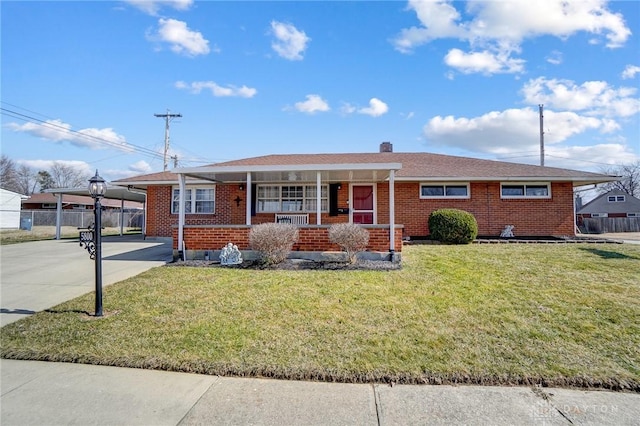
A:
[(249, 198), (58, 215), (181, 182), (121, 216), (392, 209), (318, 198)]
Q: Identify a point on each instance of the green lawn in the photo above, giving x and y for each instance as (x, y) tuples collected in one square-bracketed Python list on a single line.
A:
[(561, 315)]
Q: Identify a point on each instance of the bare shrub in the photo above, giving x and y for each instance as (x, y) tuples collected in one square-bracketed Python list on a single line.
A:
[(273, 241), (350, 237)]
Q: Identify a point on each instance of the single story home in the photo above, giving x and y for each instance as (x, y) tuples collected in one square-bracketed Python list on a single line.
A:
[(390, 194), (614, 211), (10, 209)]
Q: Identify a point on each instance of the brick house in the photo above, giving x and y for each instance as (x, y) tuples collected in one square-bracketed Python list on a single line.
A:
[(206, 207)]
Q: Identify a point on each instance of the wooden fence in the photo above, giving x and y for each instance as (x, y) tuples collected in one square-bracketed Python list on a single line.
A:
[(601, 225)]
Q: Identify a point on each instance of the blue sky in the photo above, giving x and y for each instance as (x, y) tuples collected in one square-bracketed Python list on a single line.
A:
[(81, 81)]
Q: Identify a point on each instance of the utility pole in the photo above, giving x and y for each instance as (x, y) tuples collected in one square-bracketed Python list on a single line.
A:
[(167, 118), (541, 106)]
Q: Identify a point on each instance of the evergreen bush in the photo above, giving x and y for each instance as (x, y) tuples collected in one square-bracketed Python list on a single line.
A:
[(453, 226)]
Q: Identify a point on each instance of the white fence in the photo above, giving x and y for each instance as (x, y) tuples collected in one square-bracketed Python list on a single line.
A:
[(82, 219)]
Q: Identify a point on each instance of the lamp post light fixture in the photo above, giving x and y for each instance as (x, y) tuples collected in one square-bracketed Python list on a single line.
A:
[(97, 189)]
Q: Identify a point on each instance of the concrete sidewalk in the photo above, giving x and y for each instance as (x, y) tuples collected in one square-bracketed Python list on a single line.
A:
[(41, 393)]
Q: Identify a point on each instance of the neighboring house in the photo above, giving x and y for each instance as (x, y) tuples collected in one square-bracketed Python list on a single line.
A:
[(49, 201), (381, 191), (614, 211), (10, 209)]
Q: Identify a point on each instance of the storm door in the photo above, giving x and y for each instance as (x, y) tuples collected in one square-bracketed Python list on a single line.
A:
[(363, 204)]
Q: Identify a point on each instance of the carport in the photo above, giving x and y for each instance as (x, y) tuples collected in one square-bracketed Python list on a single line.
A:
[(113, 193)]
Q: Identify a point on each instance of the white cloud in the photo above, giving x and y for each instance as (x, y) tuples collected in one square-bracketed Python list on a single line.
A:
[(217, 90), (347, 108), (590, 97), (290, 43), (181, 39), (581, 156), (81, 166), (483, 62), (152, 7), (313, 104), (630, 71), (140, 167), (512, 130), (497, 28), (376, 108), (58, 131), (554, 57)]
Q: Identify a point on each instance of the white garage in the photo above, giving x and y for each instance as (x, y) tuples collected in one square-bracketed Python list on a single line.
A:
[(10, 203)]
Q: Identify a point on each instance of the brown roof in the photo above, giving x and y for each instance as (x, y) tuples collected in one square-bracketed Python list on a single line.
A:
[(421, 165), (415, 165)]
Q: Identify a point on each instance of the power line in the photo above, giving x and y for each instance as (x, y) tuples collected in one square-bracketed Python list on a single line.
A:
[(57, 127)]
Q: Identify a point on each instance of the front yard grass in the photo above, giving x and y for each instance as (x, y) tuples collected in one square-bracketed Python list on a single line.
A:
[(553, 315)]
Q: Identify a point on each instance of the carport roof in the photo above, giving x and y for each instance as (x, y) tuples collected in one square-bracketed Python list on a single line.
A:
[(113, 192)]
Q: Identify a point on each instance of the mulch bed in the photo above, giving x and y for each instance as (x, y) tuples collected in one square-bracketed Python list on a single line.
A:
[(297, 264)]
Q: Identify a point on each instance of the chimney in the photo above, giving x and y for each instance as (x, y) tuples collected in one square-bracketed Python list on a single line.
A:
[(386, 147)]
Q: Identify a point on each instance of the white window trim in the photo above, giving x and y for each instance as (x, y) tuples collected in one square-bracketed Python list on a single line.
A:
[(304, 197), (192, 189), (616, 198), (599, 214), (445, 196), (633, 214), (525, 196)]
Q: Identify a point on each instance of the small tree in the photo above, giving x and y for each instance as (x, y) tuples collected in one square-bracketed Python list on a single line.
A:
[(350, 237), (273, 241), (453, 226)]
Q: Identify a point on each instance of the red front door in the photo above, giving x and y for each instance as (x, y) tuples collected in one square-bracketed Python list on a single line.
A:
[(362, 204)]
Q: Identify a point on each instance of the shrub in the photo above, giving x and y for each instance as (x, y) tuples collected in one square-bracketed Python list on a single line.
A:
[(453, 226), (273, 241), (350, 237)]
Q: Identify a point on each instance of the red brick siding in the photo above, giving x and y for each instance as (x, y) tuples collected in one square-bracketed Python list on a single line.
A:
[(540, 217), (309, 238)]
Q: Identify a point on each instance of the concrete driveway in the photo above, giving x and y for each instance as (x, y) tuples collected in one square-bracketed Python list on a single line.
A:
[(39, 275)]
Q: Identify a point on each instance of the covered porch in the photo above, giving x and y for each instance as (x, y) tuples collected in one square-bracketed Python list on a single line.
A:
[(311, 196)]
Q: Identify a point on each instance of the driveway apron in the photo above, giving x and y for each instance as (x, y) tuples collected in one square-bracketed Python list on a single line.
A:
[(39, 275)]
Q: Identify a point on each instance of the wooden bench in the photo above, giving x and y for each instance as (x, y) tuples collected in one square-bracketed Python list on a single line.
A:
[(294, 219)]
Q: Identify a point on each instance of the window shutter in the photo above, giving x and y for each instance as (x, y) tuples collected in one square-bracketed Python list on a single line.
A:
[(333, 199), (254, 198)]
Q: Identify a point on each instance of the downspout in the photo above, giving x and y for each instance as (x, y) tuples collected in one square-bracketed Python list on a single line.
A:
[(249, 198), (318, 198), (392, 216), (182, 187)]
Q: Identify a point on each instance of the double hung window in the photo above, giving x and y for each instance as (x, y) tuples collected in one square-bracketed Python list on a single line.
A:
[(199, 200)]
